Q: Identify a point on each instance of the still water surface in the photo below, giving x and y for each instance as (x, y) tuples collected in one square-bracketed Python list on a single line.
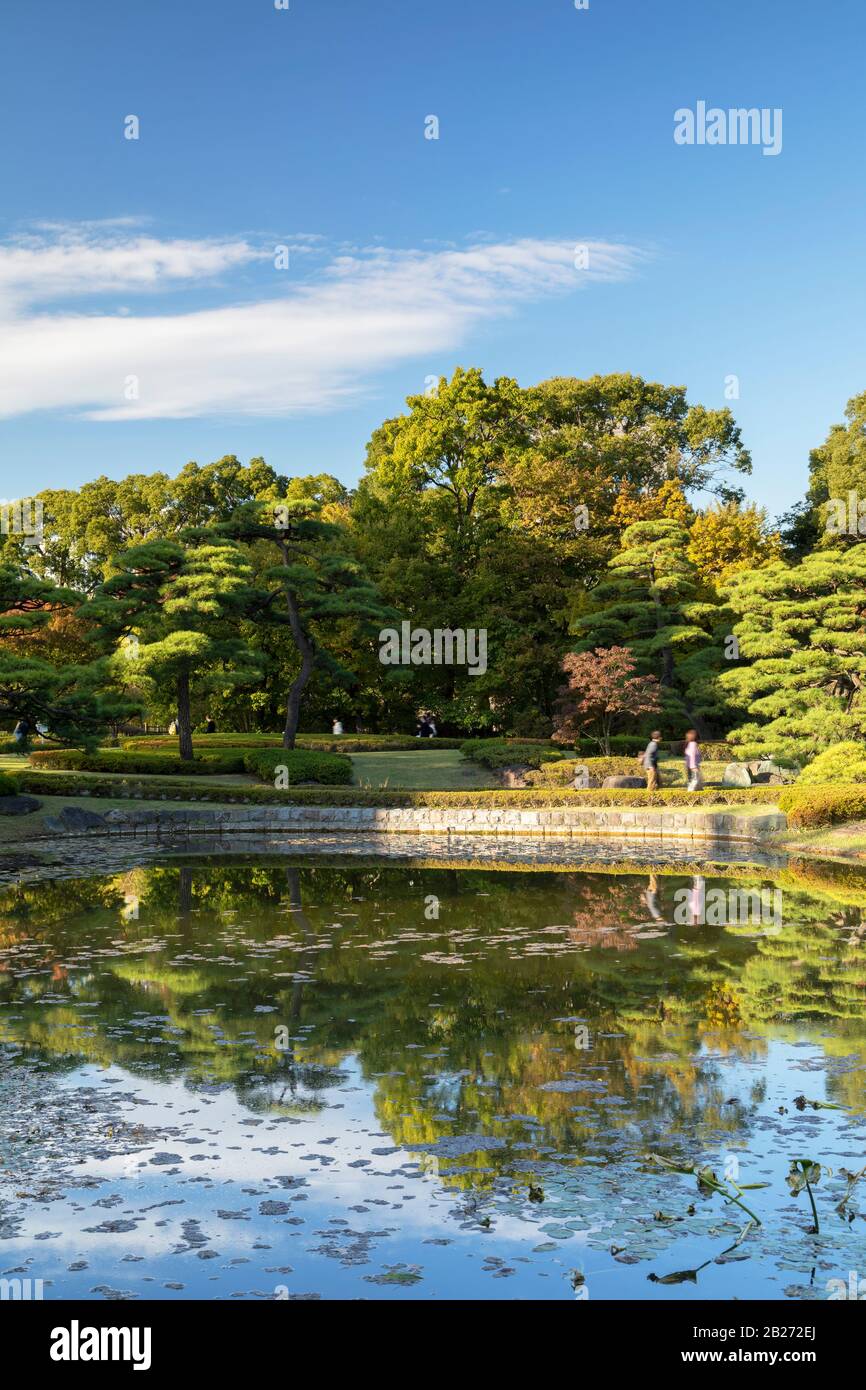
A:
[(267, 1080)]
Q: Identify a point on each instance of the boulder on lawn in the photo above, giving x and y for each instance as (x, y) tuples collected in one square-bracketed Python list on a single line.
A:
[(18, 805), (769, 772), (635, 782), (737, 775), (581, 778), (77, 818)]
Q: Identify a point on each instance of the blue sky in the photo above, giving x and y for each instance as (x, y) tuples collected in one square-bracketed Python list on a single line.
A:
[(142, 319)]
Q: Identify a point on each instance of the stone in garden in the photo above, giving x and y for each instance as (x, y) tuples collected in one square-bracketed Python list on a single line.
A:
[(581, 778), (77, 818), (624, 782), (18, 805), (768, 772), (737, 775)]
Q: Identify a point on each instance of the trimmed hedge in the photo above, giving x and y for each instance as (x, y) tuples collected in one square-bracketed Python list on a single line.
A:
[(317, 743), (176, 789), (301, 764), (561, 774), (496, 753), (808, 808), (156, 764), (8, 785)]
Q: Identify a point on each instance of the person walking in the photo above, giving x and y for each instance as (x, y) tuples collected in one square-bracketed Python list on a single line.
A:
[(694, 776), (651, 761)]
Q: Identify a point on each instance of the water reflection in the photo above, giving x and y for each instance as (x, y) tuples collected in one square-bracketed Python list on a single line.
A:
[(519, 1055)]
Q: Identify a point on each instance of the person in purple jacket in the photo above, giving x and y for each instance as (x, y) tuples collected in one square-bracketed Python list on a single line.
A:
[(695, 780)]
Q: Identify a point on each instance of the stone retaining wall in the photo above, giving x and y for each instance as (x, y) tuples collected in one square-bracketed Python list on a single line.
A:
[(599, 822)]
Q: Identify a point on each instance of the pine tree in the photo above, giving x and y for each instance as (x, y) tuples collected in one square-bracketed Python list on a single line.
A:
[(650, 600), (802, 631), (180, 606), (313, 584)]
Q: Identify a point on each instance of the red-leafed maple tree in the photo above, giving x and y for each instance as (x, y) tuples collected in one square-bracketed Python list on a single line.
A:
[(602, 688)]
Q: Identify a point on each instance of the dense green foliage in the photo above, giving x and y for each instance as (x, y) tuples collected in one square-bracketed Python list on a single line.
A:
[(560, 519), (291, 766), (809, 808), (153, 764), (843, 762), (494, 753)]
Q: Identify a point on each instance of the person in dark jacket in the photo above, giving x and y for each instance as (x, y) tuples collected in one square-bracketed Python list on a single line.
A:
[(651, 762)]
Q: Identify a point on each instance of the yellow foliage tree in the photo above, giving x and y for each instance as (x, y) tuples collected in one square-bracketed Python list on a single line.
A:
[(666, 503), (728, 537)]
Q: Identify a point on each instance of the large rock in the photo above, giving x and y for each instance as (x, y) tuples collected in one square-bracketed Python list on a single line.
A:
[(767, 771), (77, 818), (581, 778), (624, 782), (18, 805), (737, 775)]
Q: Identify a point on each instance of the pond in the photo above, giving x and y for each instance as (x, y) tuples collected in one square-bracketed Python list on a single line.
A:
[(276, 1078)]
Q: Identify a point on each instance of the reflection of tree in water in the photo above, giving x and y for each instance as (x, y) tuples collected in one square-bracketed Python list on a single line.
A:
[(298, 1086), (214, 943)]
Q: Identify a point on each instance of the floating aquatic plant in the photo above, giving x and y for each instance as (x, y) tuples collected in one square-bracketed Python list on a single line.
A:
[(708, 1182), (806, 1173)]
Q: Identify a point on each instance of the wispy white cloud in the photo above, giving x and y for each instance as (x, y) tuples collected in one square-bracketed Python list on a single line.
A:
[(303, 348)]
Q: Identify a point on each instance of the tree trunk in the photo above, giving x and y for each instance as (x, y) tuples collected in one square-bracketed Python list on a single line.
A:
[(184, 718), (307, 652)]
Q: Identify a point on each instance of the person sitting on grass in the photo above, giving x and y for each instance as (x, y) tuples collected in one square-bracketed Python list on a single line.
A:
[(650, 761)]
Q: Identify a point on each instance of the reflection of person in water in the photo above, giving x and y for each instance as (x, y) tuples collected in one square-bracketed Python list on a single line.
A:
[(697, 900), (650, 897)]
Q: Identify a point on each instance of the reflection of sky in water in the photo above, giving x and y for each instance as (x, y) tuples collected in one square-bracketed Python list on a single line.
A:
[(357, 1199)]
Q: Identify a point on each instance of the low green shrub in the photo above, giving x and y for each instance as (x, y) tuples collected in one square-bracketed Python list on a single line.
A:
[(301, 764), (809, 808), (155, 764), (8, 785), (561, 774), (318, 743), (496, 753), (844, 763)]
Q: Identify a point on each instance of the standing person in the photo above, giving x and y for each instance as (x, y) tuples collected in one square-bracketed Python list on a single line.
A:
[(695, 779), (432, 724), (650, 761), (337, 728), (21, 732), (210, 725), (423, 726)]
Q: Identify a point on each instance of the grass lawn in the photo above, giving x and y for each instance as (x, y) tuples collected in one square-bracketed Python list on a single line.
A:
[(441, 771)]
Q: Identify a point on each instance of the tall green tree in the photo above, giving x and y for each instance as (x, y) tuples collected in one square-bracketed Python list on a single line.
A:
[(314, 585), (70, 699), (650, 600), (801, 632), (178, 608)]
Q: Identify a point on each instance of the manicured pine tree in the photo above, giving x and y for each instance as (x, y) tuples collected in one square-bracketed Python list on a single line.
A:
[(802, 640), (650, 600), (313, 583), (181, 604)]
